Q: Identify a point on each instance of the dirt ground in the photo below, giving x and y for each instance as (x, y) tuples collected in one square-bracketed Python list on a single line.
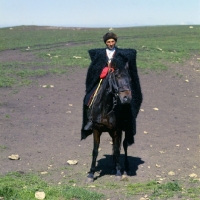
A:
[(42, 125)]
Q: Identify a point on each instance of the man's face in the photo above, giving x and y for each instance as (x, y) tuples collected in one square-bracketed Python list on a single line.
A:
[(110, 43)]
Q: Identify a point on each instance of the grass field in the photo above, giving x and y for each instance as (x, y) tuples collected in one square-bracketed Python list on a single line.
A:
[(24, 186), (57, 49)]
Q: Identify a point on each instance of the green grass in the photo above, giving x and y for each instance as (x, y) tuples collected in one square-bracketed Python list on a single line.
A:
[(56, 50), (2, 147), (7, 116), (166, 190), (22, 187)]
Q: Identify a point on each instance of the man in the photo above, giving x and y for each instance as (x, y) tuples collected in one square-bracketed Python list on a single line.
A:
[(101, 58)]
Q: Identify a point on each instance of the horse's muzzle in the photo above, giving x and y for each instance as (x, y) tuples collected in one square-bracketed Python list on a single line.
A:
[(125, 97)]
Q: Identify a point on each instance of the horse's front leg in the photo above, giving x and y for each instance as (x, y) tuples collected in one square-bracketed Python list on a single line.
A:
[(126, 163), (117, 135), (96, 137)]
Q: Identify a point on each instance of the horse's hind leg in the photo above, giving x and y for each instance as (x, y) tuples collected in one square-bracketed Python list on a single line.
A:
[(116, 152), (96, 137), (126, 163)]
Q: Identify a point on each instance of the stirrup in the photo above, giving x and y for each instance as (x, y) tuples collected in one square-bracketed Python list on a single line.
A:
[(88, 126)]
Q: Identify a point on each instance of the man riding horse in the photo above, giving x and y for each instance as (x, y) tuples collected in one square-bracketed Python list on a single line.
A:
[(100, 58)]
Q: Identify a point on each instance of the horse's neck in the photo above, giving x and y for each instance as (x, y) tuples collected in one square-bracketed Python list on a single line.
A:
[(103, 103)]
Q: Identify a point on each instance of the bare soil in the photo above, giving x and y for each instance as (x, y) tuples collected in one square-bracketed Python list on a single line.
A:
[(42, 125)]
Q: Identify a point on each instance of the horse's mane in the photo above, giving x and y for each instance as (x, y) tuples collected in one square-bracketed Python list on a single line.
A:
[(102, 90)]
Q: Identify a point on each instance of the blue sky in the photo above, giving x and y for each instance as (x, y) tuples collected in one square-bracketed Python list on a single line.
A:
[(99, 13)]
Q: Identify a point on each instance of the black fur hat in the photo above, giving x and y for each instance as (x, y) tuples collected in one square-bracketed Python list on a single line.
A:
[(109, 35)]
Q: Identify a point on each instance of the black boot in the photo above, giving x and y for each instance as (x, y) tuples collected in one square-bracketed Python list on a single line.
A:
[(88, 126)]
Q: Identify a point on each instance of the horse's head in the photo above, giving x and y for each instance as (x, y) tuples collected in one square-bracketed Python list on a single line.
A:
[(121, 83)]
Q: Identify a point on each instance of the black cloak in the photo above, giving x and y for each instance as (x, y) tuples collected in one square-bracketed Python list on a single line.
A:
[(98, 62)]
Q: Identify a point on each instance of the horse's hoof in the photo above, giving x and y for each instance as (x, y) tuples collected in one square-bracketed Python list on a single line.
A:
[(89, 180), (124, 177), (118, 178), (126, 173)]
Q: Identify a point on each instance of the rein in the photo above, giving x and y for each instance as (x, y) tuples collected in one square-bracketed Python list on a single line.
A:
[(113, 85)]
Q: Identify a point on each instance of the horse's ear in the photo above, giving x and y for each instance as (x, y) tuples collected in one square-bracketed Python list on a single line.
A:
[(114, 64), (126, 66)]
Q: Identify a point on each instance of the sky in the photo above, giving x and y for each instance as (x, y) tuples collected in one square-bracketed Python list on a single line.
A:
[(99, 13)]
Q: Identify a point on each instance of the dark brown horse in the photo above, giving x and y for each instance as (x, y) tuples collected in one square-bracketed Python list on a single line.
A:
[(110, 113)]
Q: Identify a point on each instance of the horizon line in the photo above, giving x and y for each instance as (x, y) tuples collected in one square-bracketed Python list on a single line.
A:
[(125, 26)]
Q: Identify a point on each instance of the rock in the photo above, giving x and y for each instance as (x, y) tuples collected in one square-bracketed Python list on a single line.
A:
[(193, 175), (14, 157), (158, 176), (44, 172), (159, 49), (72, 162), (145, 132), (162, 151), (39, 195), (91, 186), (159, 182), (76, 57), (144, 198), (171, 173)]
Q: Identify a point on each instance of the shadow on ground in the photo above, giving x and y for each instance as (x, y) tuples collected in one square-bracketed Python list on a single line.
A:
[(105, 165)]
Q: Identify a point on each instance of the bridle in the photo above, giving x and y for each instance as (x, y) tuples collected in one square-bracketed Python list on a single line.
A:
[(113, 86), (115, 89)]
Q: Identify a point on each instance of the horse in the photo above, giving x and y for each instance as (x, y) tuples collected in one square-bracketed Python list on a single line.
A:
[(110, 113)]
